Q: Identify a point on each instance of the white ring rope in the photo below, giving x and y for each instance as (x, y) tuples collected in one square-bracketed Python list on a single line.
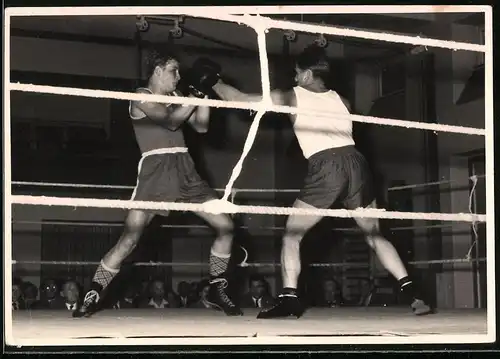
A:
[(218, 206), (235, 190), (261, 23), (194, 264), (254, 106), (246, 149)]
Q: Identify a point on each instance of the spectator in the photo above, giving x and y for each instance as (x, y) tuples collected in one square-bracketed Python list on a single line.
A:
[(331, 294), (158, 296), (50, 297), (129, 299), (184, 295), (258, 295), (17, 295), (144, 291), (194, 289), (30, 294), (203, 288), (71, 295)]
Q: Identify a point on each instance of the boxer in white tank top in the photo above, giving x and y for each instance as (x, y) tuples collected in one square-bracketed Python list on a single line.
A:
[(337, 172)]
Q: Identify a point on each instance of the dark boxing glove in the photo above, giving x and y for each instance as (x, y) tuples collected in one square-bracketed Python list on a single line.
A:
[(203, 75)]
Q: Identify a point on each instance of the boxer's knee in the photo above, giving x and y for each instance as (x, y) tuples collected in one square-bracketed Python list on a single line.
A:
[(369, 226), (296, 228), (225, 225), (135, 223)]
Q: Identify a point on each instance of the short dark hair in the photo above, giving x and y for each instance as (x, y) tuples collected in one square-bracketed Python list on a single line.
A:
[(26, 286), (256, 278), (158, 57), (314, 58)]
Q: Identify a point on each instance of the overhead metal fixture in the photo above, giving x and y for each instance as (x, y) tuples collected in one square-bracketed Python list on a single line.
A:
[(321, 40), (176, 32), (290, 35), (143, 23)]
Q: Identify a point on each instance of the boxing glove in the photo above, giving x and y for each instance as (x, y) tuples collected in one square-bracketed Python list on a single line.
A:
[(203, 75)]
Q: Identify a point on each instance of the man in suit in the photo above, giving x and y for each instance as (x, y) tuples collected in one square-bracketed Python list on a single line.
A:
[(17, 297), (203, 290), (184, 295), (71, 295), (129, 299), (258, 295), (50, 296), (30, 294)]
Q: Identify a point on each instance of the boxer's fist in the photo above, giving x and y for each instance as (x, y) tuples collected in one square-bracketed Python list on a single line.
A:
[(203, 75)]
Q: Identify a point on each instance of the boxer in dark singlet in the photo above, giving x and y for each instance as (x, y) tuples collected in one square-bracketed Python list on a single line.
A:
[(166, 173)]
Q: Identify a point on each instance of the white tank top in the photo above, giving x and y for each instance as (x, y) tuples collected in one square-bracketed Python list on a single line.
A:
[(318, 133)]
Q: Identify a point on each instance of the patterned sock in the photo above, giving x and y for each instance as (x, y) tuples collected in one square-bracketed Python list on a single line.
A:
[(104, 275), (218, 263)]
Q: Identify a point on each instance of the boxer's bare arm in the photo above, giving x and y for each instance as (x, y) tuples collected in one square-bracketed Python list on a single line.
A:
[(200, 119), (229, 93), (170, 116)]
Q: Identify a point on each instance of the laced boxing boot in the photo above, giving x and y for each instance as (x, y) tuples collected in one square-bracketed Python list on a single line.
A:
[(90, 302), (219, 299), (288, 305)]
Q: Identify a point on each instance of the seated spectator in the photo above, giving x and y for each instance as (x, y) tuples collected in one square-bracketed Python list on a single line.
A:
[(144, 291), (71, 295), (194, 290), (203, 288), (185, 296), (17, 295), (258, 295), (331, 294), (159, 298), (129, 299), (50, 297), (30, 294)]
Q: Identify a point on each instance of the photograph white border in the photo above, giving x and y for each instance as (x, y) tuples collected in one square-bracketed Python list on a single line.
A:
[(200, 10)]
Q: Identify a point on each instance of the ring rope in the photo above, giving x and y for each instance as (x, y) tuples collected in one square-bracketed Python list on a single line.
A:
[(261, 23), (252, 133), (474, 224), (199, 226), (194, 264), (218, 206), (236, 190), (262, 106)]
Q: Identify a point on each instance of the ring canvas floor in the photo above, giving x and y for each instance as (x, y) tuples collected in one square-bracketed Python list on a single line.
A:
[(171, 323)]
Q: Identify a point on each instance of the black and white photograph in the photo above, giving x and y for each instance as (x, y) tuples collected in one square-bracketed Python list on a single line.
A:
[(255, 175)]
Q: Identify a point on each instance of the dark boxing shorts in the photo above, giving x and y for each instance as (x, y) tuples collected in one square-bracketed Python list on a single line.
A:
[(165, 175), (338, 175)]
